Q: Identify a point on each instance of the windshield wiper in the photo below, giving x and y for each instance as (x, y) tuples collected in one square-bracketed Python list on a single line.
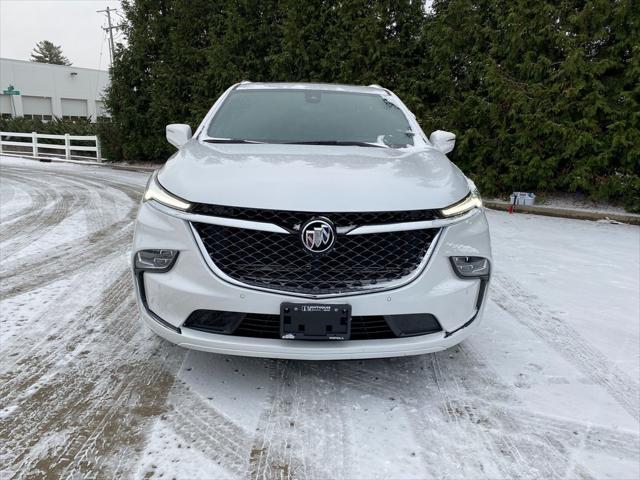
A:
[(229, 140), (338, 143), (311, 142)]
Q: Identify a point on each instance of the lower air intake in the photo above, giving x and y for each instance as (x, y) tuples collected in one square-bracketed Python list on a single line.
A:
[(370, 327)]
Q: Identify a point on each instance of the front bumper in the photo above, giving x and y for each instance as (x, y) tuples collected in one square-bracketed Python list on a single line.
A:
[(192, 285), (310, 350)]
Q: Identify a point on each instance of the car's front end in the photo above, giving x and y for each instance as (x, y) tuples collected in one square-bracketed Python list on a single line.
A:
[(329, 252)]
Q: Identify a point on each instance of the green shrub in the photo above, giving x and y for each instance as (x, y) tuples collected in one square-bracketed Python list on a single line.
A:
[(110, 139), (54, 127)]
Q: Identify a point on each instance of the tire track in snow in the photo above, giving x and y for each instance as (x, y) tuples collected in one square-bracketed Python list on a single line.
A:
[(19, 182), (524, 454), (37, 359), (98, 202), (476, 424), (70, 336), (27, 273), (209, 431), (107, 440), (527, 309), (101, 399), (237, 451), (451, 443), (323, 419), (594, 438), (84, 422), (36, 199), (65, 262), (48, 204), (86, 198), (298, 435), (90, 411), (92, 185), (83, 403), (49, 217), (31, 376), (7, 193), (41, 261), (269, 456), (265, 454), (23, 275)]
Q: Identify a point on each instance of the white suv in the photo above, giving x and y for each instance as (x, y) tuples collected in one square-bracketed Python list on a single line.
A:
[(311, 221)]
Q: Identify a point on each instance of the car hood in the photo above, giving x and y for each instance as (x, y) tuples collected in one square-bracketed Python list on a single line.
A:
[(313, 178)]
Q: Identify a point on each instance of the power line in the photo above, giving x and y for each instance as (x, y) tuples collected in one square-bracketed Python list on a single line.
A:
[(122, 19), (104, 37), (110, 29)]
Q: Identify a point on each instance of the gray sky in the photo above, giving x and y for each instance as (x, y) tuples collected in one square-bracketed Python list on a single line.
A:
[(72, 24)]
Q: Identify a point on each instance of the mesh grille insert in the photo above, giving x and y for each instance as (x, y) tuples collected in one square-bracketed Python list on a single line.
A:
[(279, 261)]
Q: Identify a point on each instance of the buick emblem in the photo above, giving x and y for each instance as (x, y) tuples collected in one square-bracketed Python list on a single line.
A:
[(318, 235)]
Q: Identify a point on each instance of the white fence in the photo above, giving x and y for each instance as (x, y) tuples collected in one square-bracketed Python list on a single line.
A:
[(31, 146)]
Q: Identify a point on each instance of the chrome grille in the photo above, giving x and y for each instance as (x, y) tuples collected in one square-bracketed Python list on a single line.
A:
[(289, 219), (278, 261)]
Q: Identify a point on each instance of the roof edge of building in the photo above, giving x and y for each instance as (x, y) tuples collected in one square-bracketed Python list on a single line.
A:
[(72, 67)]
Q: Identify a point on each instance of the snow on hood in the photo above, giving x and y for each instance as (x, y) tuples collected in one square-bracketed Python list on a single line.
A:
[(313, 178)]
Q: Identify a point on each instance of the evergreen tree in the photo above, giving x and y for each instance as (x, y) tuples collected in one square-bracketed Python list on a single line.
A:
[(542, 95), (46, 52)]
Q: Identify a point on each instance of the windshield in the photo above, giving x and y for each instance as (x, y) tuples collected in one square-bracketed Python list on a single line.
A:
[(310, 116)]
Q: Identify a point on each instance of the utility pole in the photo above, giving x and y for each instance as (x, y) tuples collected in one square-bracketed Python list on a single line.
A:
[(109, 29)]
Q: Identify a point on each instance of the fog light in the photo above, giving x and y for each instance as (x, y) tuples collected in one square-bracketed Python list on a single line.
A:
[(156, 260), (470, 266)]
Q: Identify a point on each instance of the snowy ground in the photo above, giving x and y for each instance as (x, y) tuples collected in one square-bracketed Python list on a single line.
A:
[(548, 387)]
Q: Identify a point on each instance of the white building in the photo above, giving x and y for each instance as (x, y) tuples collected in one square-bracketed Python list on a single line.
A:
[(48, 91)]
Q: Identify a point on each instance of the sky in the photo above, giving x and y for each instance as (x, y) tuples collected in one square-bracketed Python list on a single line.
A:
[(72, 24)]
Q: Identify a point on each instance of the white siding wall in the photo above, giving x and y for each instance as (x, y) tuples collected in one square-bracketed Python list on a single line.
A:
[(55, 82)]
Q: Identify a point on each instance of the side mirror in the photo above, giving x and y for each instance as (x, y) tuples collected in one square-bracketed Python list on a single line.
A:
[(443, 141), (178, 134)]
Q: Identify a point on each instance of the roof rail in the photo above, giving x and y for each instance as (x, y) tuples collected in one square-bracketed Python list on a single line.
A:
[(243, 82), (375, 85)]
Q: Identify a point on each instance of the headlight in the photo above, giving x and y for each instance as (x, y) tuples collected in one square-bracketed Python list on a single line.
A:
[(156, 192), (470, 202)]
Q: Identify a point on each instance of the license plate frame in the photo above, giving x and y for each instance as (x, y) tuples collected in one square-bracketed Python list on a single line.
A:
[(313, 321)]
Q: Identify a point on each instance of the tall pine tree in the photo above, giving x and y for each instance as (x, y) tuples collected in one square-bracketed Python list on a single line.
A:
[(46, 52), (542, 96)]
